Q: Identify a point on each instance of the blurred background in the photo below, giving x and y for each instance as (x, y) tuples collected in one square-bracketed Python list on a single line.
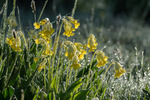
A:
[(126, 22), (99, 9)]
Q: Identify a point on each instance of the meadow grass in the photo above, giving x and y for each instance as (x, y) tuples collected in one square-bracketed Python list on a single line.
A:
[(57, 62)]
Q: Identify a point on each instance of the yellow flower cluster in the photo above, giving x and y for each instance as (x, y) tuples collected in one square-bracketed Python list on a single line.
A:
[(75, 62), (14, 42), (101, 58), (74, 52), (44, 38), (119, 70), (92, 44), (70, 49), (68, 26), (81, 52), (47, 30)]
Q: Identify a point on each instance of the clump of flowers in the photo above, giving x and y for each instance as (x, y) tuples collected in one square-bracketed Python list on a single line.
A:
[(101, 58), (75, 62), (81, 52), (14, 42), (92, 44), (119, 70), (68, 26), (70, 49)]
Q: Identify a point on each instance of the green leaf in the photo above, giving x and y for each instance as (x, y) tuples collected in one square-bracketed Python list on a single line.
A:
[(81, 95), (24, 85), (102, 96), (7, 93), (72, 88)]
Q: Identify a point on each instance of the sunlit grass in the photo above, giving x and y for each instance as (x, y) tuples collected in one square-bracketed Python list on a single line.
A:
[(55, 62)]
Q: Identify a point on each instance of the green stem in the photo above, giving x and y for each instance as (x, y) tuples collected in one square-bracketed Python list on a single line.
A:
[(42, 10), (67, 74), (89, 71), (75, 76), (45, 77), (57, 78), (55, 49), (74, 8), (104, 77)]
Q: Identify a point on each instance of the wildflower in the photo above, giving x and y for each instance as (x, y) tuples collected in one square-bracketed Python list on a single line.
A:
[(73, 21), (36, 59), (101, 58), (92, 43), (68, 28), (43, 21), (119, 70), (42, 65), (70, 49), (47, 31), (81, 52), (38, 41), (47, 50), (36, 25), (75, 63), (14, 42)]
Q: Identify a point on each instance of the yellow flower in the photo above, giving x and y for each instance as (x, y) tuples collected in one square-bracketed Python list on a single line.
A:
[(70, 49), (68, 28), (92, 43), (81, 52), (47, 31), (38, 41), (36, 59), (14, 42), (119, 70), (75, 63), (36, 25), (101, 58), (47, 50), (43, 21), (42, 65), (73, 21)]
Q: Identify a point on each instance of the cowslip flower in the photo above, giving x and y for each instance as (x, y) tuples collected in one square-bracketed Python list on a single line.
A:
[(47, 31), (36, 25), (101, 58), (119, 70), (92, 44), (73, 21), (75, 63), (47, 50), (42, 22), (39, 40), (14, 42), (81, 52), (42, 65), (68, 28), (70, 49)]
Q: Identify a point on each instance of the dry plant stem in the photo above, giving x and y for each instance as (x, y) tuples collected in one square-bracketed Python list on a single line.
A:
[(89, 70), (55, 47), (42, 10), (103, 77), (67, 74), (74, 8)]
